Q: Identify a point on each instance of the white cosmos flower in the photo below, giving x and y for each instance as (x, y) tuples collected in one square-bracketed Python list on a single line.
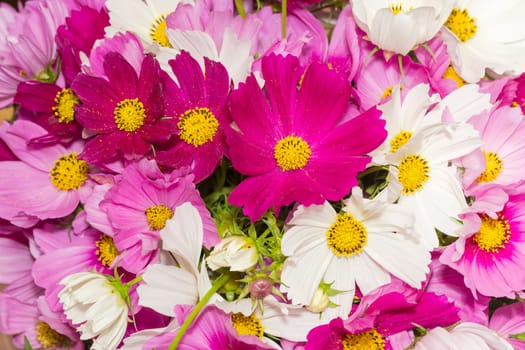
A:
[(363, 245), (466, 335), (146, 19), (93, 303), (399, 25), (421, 178), (406, 119), (485, 34), (165, 286)]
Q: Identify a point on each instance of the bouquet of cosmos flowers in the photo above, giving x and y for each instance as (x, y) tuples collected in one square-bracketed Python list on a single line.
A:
[(238, 174)]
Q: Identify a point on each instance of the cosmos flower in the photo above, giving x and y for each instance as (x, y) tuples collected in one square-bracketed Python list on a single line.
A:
[(300, 156), (399, 26), (363, 245)]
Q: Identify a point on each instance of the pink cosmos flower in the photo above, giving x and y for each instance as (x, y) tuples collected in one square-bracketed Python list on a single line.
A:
[(45, 183), (124, 112), (198, 107), (509, 322), (30, 51), (23, 313), (301, 152), (490, 249), (215, 330), (502, 156), (138, 206)]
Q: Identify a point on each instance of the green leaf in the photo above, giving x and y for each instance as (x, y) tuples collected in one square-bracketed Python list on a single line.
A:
[(519, 336), (27, 346)]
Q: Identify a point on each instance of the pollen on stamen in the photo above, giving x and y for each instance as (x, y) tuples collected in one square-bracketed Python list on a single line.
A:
[(461, 24), (197, 126), (64, 108), (157, 31), (292, 153), (370, 340), (129, 114), (247, 325), (346, 236), (413, 173), (68, 172)]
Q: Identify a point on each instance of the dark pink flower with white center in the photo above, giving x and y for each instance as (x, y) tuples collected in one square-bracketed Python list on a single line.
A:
[(139, 205), (289, 141), (197, 105), (45, 182), (124, 111)]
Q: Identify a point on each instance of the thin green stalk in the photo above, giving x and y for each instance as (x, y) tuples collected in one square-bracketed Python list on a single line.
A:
[(283, 18), (219, 282), (240, 8)]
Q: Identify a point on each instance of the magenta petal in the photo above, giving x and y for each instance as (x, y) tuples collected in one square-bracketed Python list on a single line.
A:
[(217, 83), (121, 74), (281, 75), (13, 251), (190, 76), (322, 100)]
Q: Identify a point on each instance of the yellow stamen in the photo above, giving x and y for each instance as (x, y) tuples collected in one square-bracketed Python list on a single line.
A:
[(157, 31), (292, 153), (461, 24), (493, 167), (129, 114), (347, 236), (69, 173), (396, 8), (249, 325), (157, 216), (366, 340), (106, 252), (413, 173), (49, 338), (400, 140), (493, 234), (197, 126), (64, 108)]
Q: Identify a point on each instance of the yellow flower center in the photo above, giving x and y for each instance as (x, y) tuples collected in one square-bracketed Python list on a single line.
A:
[(367, 340), (249, 325), (493, 234), (49, 338), (197, 126), (129, 114), (461, 24), (399, 140), (69, 173), (292, 153), (450, 73), (387, 92), (413, 173), (493, 167), (157, 216), (64, 108), (157, 31), (106, 252), (347, 236)]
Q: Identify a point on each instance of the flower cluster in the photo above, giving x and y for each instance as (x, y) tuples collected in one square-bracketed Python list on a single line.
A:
[(301, 174)]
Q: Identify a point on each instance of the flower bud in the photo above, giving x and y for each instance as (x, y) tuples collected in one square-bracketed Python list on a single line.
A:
[(261, 287), (236, 252), (319, 301)]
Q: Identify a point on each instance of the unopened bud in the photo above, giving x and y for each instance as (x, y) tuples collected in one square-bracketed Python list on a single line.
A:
[(260, 287), (236, 252), (319, 301)]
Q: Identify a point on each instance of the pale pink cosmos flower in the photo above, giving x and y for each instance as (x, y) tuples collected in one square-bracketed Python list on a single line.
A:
[(509, 322), (45, 183), (29, 50)]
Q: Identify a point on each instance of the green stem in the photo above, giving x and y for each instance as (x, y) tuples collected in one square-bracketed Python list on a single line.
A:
[(219, 282), (283, 18), (240, 8)]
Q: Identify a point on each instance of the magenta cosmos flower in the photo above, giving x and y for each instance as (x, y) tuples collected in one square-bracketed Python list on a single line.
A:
[(198, 107), (45, 183), (490, 253), (124, 111), (139, 205), (288, 140)]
